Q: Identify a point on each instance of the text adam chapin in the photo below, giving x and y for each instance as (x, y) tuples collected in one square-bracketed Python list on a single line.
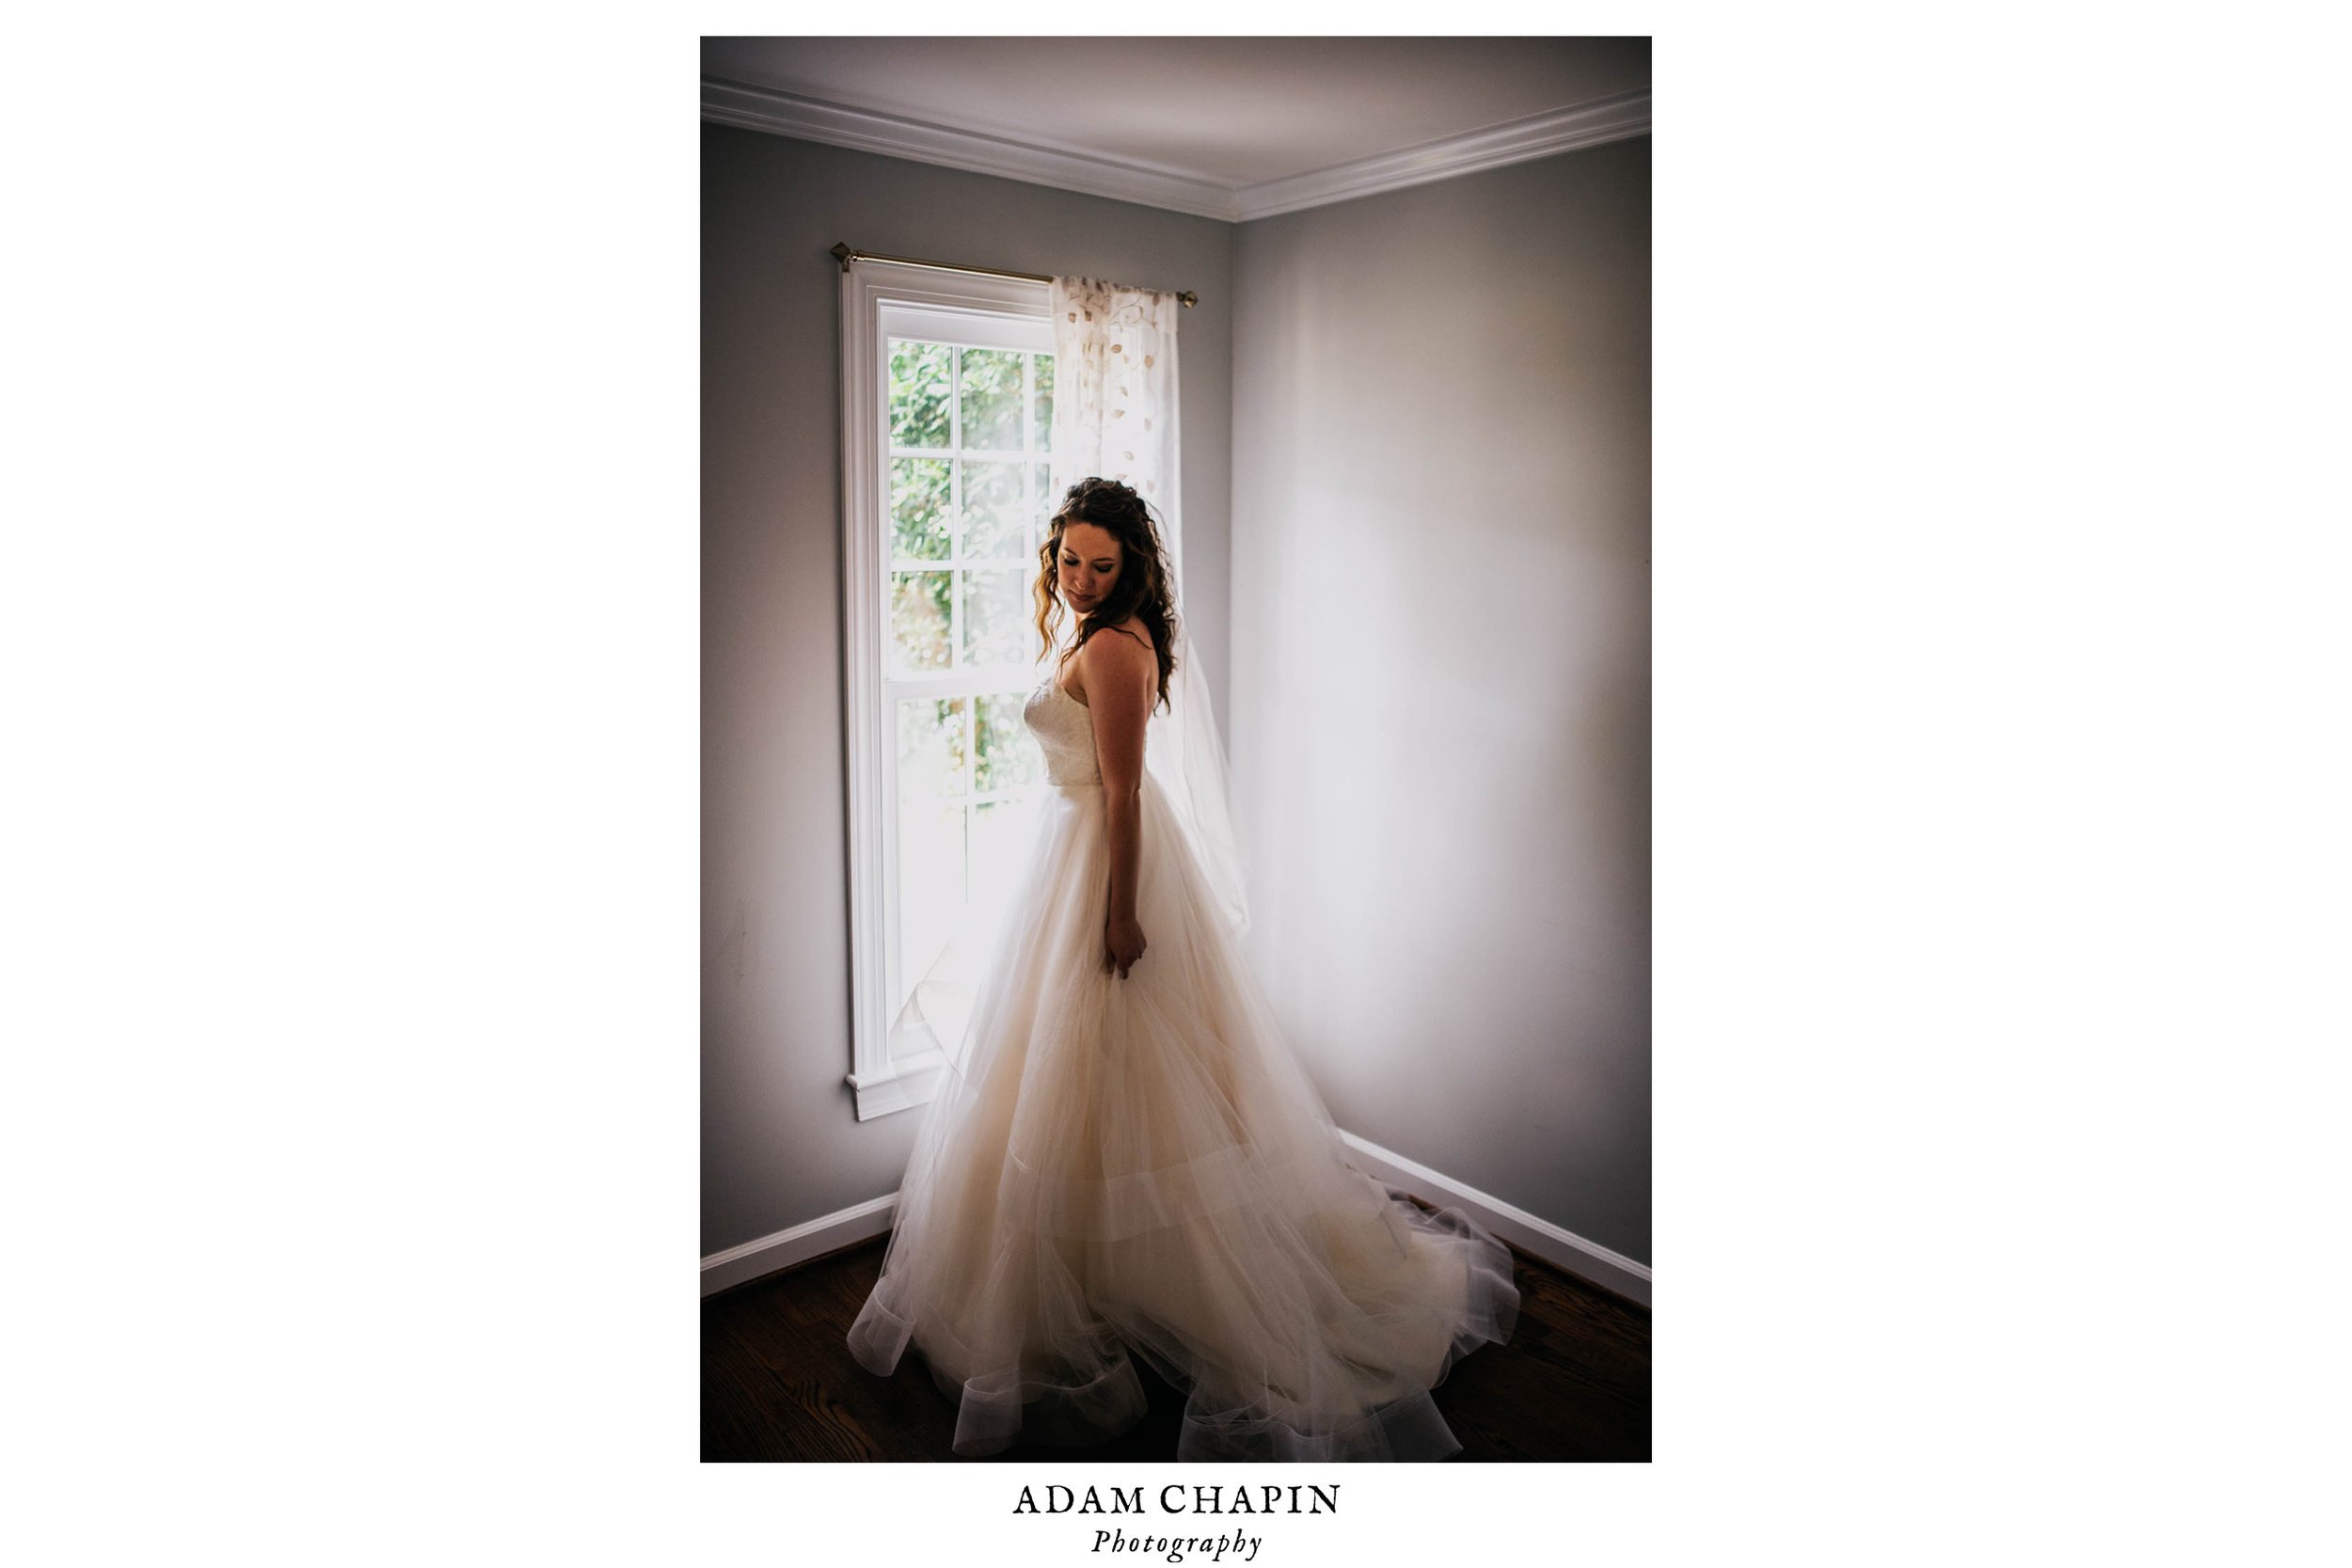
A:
[(1177, 1497)]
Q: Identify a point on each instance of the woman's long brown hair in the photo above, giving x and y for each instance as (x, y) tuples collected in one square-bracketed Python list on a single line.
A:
[(1142, 590)]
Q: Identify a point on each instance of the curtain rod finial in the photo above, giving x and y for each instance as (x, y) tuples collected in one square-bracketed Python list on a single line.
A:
[(843, 254), (1187, 299)]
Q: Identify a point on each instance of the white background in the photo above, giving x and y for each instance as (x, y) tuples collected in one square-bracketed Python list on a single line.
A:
[(349, 619)]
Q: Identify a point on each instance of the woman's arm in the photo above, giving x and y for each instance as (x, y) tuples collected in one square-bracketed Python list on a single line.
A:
[(1122, 677)]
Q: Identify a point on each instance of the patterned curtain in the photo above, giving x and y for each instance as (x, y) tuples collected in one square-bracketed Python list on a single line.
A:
[(1115, 416), (1115, 410)]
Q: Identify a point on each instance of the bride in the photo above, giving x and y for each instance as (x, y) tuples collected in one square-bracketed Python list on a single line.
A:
[(1125, 1159)]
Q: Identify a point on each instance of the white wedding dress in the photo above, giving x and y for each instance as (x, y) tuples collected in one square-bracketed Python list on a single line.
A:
[(1139, 1167)]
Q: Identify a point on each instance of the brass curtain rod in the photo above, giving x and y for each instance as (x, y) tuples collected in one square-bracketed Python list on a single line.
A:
[(844, 255)]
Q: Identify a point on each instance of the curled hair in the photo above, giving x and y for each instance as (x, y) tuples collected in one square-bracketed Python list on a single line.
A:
[(1142, 590)]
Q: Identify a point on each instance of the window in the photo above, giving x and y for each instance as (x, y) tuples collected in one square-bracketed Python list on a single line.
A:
[(949, 386)]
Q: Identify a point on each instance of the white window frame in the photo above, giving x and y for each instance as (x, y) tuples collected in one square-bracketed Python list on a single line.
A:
[(880, 300)]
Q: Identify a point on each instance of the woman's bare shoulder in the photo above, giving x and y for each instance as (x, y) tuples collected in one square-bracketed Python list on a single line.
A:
[(1123, 653), (1129, 639)]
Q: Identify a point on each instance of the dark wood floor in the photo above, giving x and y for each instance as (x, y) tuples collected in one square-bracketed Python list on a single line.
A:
[(778, 1384)]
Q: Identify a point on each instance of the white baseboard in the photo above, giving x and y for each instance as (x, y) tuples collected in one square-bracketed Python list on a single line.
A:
[(814, 1238), (1563, 1249)]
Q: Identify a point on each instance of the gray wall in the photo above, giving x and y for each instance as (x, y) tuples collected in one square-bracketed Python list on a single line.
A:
[(780, 1140), (1430, 412), (1440, 637)]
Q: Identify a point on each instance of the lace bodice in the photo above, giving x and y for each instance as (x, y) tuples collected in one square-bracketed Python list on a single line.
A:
[(1065, 731)]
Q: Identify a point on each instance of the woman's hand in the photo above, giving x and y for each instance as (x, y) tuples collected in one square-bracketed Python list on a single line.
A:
[(1122, 943)]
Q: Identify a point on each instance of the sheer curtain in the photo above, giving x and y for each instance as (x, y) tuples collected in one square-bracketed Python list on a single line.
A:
[(1116, 416)]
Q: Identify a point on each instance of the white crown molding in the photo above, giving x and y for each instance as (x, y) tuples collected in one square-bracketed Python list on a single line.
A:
[(784, 113), (1539, 1238), (1604, 120)]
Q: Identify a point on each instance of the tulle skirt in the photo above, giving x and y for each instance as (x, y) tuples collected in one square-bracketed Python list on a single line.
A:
[(1118, 1168)]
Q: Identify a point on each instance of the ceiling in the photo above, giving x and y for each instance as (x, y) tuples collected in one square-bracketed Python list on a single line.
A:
[(1225, 127)]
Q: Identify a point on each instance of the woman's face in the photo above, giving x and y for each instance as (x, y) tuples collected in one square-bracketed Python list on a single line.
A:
[(1088, 565)]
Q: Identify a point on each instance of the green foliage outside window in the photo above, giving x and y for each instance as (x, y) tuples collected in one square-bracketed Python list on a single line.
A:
[(918, 395), (991, 398), (922, 517)]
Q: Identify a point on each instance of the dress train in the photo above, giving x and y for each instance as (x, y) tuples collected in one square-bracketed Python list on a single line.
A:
[(1118, 1168)]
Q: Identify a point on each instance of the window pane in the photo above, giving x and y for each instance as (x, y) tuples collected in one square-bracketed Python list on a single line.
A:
[(931, 884), (993, 620), (918, 622), (1047, 504), (1044, 373), (995, 508), (1004, 756), (930, 750), (1001, 831), (933, 781), (919, 518), (918, 393), (991, 398)]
